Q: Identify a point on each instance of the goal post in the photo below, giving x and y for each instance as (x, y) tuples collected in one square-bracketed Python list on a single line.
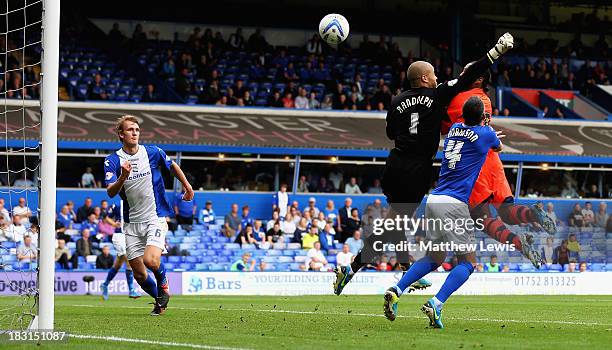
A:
[(48, 101)]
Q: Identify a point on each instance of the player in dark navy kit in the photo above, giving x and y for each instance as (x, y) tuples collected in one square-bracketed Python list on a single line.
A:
[(465, 150), (413, 123)]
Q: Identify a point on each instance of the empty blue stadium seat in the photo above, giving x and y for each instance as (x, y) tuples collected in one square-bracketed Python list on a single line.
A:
[(174, 259)]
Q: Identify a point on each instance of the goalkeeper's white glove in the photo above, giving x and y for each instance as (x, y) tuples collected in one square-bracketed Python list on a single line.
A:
[(505, 43)]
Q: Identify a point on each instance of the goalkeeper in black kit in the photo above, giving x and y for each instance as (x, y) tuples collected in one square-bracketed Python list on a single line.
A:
[(414, 120)]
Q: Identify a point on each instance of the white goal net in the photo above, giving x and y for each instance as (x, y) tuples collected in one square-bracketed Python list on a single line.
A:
[(21, 56)]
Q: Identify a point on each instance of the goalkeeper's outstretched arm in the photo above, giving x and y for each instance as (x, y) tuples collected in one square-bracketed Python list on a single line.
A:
[(471, 73)]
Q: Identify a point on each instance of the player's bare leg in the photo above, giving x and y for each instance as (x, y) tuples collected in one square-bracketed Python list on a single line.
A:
[(152, 260), (146, 282)]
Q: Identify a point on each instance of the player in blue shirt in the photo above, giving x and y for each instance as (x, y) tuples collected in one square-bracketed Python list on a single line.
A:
[(465, 150), (112, 215), (134, 172)]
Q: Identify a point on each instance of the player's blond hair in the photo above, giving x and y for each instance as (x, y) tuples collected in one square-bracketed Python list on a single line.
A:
[(121, 120)]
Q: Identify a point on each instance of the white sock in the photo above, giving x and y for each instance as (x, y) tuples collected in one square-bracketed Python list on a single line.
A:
[(437, 303)]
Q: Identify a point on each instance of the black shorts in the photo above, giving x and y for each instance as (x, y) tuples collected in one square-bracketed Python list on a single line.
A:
[(406, 178)]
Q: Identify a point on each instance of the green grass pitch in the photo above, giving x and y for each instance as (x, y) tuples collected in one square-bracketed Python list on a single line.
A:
[(330, 322)]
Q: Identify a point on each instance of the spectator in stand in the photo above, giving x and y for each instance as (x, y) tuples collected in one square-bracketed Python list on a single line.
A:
[(91, 224), (352, 187), (65, 218), (236, 40), (246, 218), (312, 201), (383, 264), (115, 34), (62, 254), (331, 212), (573, 245), (492, 265), (301, 101), (5, 233), (239, 89), (309, 239), (288, 100), (302, 184), (506, 112), (281, 201), (83, 244), (593, 192), (275, 234), (183, 84), (550, 212), (587, 215), (88, 180), (582, 267), (27, 251), (84, 211), (232, 223), (96, 90), (150, 95), (353, 224), (355, 242), (375, 188), (344, 213), (576, 219), (548, 251), (3, 212), (275, 219), (601, 217), (316, 260), (244, 264), (231, 97), (275, 100), (184, 210), (288, 225), (212, 94), (326, 237), (345, 257), (324, 186), (258, 231), (561, 254), (246, 236), (23, 211), (16, 230), (223, 101), (105, 260), (313, 102), (257, 42), (327, 102), (301, 230), (207, 215)]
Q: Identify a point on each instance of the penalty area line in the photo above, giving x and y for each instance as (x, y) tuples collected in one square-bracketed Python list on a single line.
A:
[(472, 319), (151, 342)]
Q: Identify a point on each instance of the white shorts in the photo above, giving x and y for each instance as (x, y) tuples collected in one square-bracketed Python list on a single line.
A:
[(139, 235), (455, 228), (119, 243)]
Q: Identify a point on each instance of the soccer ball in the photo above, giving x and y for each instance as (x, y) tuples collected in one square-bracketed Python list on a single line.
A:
[(334, 29)]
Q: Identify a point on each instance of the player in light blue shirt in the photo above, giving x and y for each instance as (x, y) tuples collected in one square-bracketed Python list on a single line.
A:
[(135, 173), (465, 150)]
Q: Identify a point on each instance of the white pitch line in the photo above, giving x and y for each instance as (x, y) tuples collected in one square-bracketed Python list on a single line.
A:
[(363, 315), (151, 342)]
